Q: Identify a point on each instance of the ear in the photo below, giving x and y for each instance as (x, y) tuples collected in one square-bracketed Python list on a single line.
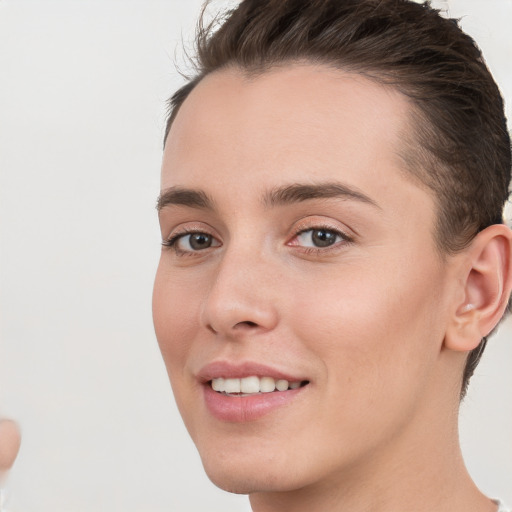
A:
[(487, 282)]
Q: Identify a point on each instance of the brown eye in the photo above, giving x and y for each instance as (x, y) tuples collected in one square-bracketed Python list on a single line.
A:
[(319, 237), (194, 242), (200, 241), (323, 238), (191, 242)]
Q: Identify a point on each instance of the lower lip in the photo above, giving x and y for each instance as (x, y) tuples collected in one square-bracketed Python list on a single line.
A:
[(240, 409)]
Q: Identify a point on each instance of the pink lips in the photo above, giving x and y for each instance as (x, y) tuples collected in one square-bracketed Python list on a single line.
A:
[(239, 409)]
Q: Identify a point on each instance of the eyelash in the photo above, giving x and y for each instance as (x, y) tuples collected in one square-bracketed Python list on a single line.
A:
[(346, 239), (173, 240)]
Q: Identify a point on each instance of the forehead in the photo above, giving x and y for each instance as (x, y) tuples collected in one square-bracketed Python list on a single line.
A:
[(292, 123)]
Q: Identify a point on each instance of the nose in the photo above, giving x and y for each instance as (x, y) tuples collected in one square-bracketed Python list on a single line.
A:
[(241, 299)]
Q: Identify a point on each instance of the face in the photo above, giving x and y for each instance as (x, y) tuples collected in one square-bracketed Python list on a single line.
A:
[(299, 302)]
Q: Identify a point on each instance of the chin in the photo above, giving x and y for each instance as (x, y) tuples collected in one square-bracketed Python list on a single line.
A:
[(238, 481), (234, 483), (240, 472)]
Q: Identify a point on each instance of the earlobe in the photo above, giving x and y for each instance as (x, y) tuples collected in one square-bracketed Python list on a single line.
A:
[(487, 281)]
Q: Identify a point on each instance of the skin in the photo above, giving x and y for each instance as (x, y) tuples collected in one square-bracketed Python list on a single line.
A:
[(10, 440), (366, 320)]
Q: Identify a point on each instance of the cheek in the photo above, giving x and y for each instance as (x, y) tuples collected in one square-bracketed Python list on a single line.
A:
[(373, 330), (175, 316), (175, 313)]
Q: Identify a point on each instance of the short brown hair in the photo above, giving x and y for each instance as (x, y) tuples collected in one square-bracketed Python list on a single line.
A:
[(460, 149)]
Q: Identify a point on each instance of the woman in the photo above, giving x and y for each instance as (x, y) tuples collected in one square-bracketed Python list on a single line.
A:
[(334, 254)]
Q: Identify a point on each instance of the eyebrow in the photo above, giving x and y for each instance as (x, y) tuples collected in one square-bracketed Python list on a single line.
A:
[(299, 192), (184, 197), (279, 196)]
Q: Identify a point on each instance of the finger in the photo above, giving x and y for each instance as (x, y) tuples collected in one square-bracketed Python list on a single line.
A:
[(10, 439)]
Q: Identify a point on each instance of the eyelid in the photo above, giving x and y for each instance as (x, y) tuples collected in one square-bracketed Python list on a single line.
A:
[(182, 231), (338, 232), (312, 224), (317, 222), (185, 228)]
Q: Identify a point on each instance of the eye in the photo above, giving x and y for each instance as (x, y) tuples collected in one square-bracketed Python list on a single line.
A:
[(191, 242), (319, 237), (195, 242)]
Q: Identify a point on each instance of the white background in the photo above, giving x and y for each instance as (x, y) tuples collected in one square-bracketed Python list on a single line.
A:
[(83, 86)]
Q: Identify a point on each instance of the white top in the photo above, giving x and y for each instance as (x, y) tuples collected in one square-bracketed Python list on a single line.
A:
[(501, 507)]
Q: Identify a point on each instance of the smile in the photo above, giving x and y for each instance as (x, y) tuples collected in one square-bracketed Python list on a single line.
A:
[(249, 391), (252, 385)]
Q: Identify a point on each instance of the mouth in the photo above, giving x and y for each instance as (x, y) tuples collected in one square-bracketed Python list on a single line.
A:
[(249, 391), (253, 385)]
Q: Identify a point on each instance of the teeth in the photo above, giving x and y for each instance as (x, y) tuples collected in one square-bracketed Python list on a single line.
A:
[(267, 384), (252, 385), (282, 385), (218, 384), (232, 386)]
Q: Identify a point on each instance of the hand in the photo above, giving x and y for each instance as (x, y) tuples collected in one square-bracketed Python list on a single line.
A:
[(10, 440)]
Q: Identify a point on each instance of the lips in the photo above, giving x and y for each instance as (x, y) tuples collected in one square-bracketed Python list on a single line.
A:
[(248, 391)]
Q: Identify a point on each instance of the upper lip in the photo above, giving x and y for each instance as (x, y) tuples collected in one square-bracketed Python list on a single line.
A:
[(229, 370)]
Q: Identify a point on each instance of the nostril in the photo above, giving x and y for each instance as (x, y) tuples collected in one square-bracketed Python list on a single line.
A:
[(247, 323), (240, 325)]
